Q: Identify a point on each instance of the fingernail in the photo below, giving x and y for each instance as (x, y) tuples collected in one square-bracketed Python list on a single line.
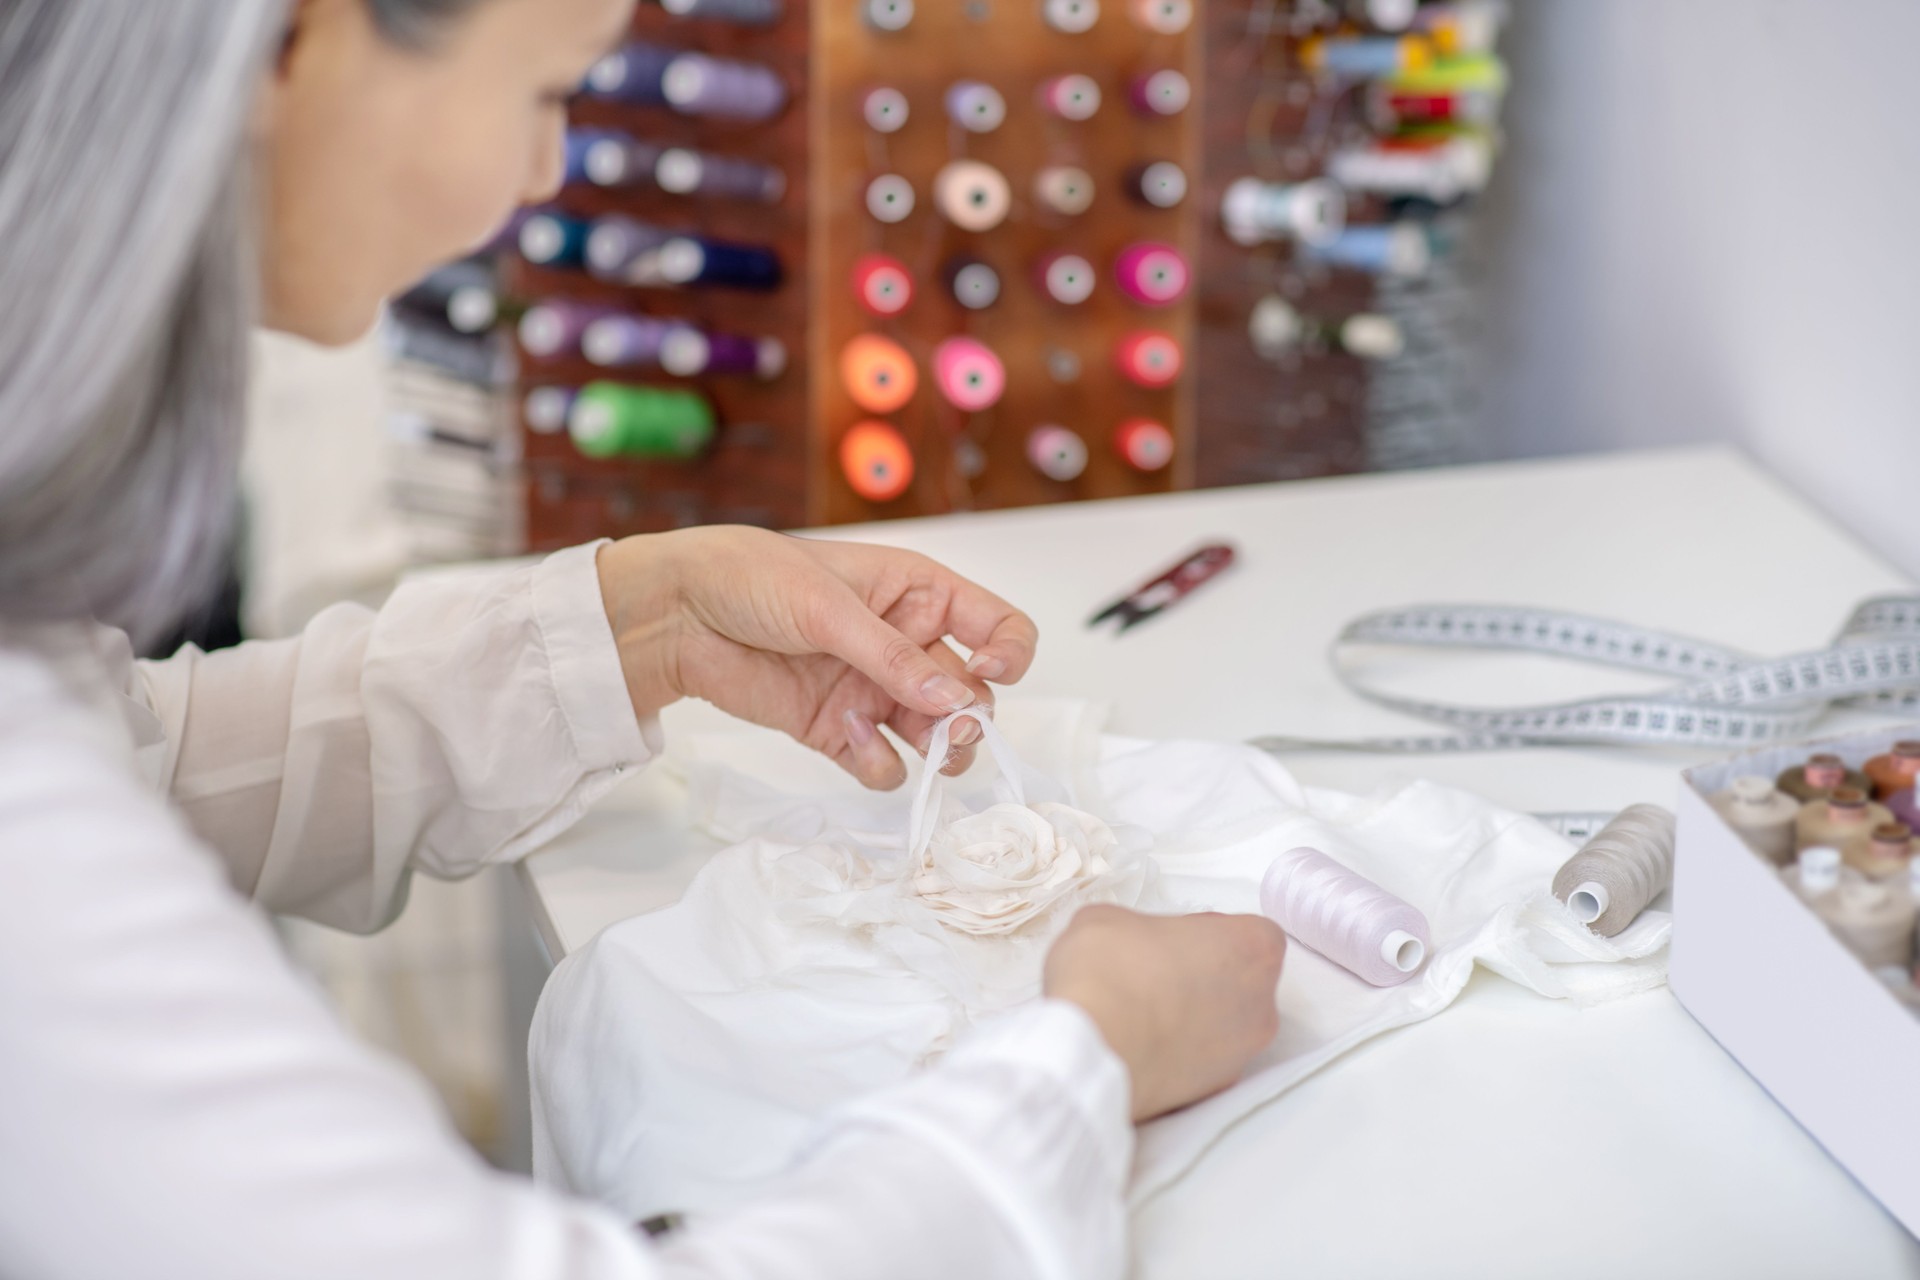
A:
[(859, 728), (965, 732), (946, 692), (986, 666)]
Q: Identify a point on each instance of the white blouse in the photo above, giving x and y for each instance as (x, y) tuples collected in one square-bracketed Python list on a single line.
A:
[(175, 1101)]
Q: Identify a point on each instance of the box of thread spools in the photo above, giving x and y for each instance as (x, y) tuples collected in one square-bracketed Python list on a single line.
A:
[(1795, 899)]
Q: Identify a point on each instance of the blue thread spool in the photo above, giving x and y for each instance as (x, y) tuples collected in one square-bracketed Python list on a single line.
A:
[(554, 240), (695, 260), (1399, 250), (695, 84), (634, 74), (739, 13)]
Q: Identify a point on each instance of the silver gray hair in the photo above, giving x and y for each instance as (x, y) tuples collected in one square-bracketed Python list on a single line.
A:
[(127, 292)]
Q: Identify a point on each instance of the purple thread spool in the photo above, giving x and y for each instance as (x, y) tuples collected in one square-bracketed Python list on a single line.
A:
[(1905, 807), (1152, 274), (610, 159), (688, 352), (1345, 917), (624, 342), (617, 243), (689, 173), (553, 329), (554, 240), (740, 13), (975, 107), (697, 85), (633, 75), (693, 260)]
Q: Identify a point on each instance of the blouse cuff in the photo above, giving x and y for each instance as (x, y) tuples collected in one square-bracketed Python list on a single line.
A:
[(1058, 1040), (585, 660)]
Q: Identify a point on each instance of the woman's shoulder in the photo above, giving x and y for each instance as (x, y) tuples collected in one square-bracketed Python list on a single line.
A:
[(60, 695)]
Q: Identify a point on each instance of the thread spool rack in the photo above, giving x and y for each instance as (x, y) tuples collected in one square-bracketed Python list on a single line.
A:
[(899, 254)]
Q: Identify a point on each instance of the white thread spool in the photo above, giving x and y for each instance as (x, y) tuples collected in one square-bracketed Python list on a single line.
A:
[(976, 107), (884, 109), (1627, 864), (1313, 212), (1064, 189), (972, 196), (888, 15), (1070, 17), (890, 198), (1345, 917)]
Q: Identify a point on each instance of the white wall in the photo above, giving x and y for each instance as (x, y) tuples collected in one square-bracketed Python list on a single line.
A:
[(1707, 227)]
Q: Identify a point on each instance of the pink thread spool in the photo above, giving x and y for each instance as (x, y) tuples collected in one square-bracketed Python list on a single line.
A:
[(1056, 453), (1143, 444), (1149, 358), (1163, 17), (882, 284), (1067, 278), (1152, 274), (1160, 93), (1345, 917), (968, 374), (1070, 97)]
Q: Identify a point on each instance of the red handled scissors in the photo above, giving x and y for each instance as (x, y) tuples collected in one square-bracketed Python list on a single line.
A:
[(1150, 598)]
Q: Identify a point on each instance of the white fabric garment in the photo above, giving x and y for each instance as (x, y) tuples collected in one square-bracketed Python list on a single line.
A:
[(177, 1104), (791, 984)]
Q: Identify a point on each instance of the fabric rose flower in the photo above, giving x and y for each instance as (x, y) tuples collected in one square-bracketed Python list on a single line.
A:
[(994, 871)]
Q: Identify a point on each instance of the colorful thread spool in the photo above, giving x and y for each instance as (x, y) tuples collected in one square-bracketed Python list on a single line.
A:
[(882, 284), (1905, 807), (688, 352), (1149, 358), (616, 245), (465, 296), (554, 240), (1162, 17), (972, 283), (1366, 57), (692, 173), (1070, 97), (1889, 851), (890, 198), (1390, 107), (739, 13), (1067, 278), (884, 109), (1152, 274), (550, 330), (1253, 212), (969, 374), (1400, 250), (975, 106), (696, 84), (1160, 93), (1143, 444), (1762, 814), (1056, 453), (1895, 770), (694, 260), (1159, 185), (609, 159), (878, 373), (887, 15), (1441, 174), (1070, 17), (876, 461), (1817, 778), (632, 75), (609, 420), (1627, 864), (624, 341), (972, 195), (1345, 917), (1064, 189), (545, 409), (1465, 28), (1844, 819), (1387, 15)]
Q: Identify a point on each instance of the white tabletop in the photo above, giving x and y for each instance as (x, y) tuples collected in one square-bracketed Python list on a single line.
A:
[(1511, 1135)]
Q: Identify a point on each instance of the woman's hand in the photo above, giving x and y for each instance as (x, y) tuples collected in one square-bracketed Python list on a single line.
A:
[(822, 640), (1185, 1001)]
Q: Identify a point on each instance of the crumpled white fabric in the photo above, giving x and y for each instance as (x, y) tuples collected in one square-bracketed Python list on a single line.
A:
[(682, 1057)]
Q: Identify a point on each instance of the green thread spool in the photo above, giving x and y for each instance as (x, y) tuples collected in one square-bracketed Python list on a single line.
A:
[(610, 420)]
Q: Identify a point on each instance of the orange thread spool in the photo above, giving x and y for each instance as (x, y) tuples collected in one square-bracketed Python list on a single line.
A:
[(876, 461), (878, 373), (1149, 358)]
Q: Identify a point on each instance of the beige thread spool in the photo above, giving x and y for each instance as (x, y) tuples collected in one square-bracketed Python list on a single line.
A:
[(1626, 865), (1818, 776), (1873, 920), (1762, 814), (1844, 819), (1889, 852)]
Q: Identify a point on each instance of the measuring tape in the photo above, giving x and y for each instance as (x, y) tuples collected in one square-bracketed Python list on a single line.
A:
[(1724, 698)]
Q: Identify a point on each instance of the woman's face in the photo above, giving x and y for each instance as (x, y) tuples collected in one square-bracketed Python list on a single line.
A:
[(381, 162)]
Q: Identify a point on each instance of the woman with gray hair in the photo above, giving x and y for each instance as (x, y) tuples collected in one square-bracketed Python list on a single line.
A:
[(177, 1102)]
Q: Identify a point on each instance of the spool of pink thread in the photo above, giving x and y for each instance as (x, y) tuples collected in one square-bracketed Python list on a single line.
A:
[(1151, 273), (1345, 917), (968, 374), (1149, 358)]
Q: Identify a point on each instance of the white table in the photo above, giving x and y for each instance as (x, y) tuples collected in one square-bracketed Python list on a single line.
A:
[(1510, 1136)]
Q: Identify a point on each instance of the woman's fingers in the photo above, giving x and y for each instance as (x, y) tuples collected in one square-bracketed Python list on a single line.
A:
[(917, 729), (868, 755), (840, 623)]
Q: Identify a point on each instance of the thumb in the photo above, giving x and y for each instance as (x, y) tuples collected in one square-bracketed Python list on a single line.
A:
[(845, 627)]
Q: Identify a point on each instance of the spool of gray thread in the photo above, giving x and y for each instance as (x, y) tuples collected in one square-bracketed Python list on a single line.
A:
[(1626, 865)]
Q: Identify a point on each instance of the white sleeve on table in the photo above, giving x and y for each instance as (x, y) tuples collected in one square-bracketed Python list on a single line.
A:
[(475, 716)]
